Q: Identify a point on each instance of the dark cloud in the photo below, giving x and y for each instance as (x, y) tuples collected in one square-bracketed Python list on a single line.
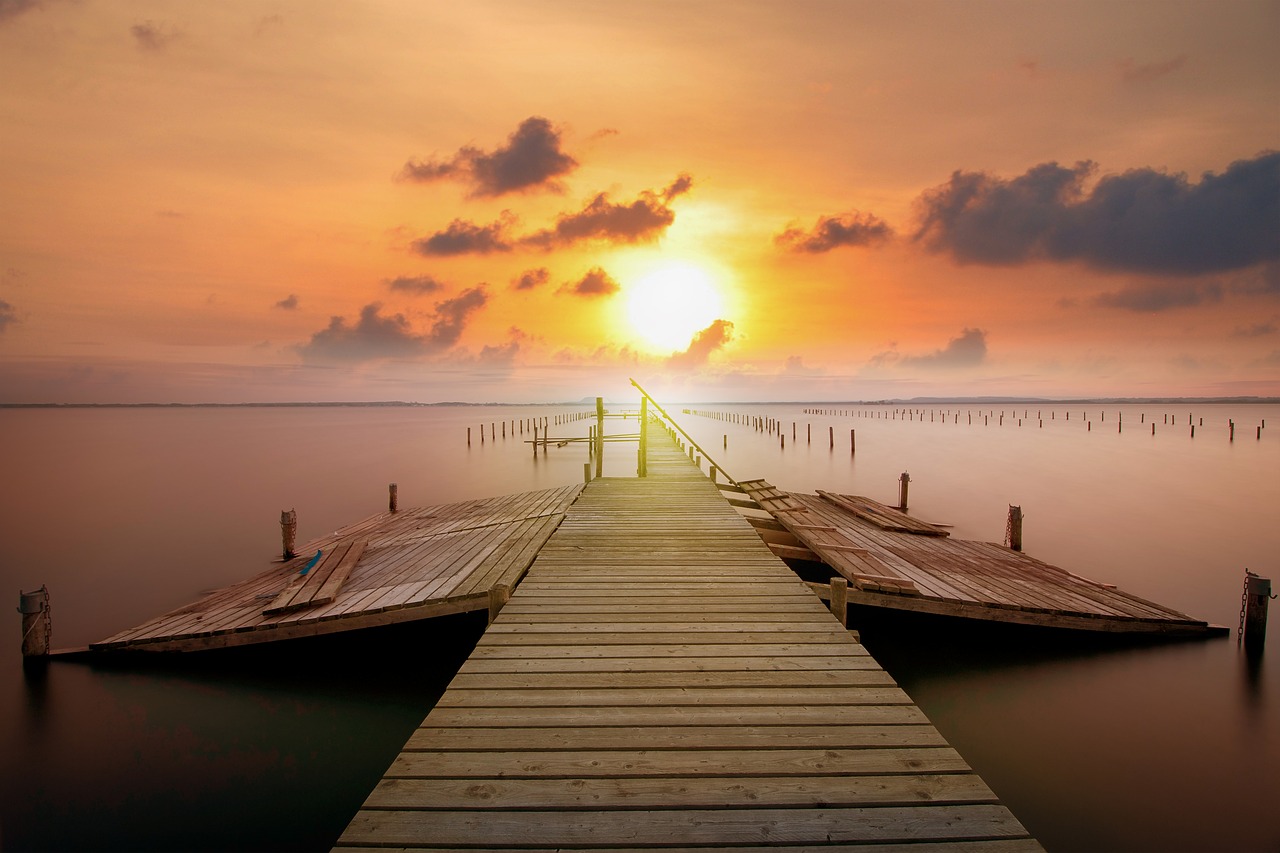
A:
[(1142, 220), (467, 238), (504, 354), (415, 284), (1161, 296), (640, 221), (151, 36), (376, 336), (1132, 72), (830, 232), (531, 159), (7, 315), (706, 342), (968, 350), (529, 279), (596, 282), (289, 303)]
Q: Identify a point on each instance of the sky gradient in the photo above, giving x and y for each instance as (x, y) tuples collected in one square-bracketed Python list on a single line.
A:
[(324, 201)]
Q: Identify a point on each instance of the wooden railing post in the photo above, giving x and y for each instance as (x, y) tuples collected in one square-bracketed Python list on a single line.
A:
[(599, 436), (642, 469), (288, 532), (1014, 536), (902, 490)]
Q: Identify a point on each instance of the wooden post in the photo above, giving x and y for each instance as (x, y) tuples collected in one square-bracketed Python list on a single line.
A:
[(36, 625), (1015, 527), (288, 531), (468, 436), (393, 497), (902, 490), (599, 436), (586, 472), (840, 600), (643, 467), (1232, 426), (1257, 594), (498, 596), (713, 473), (853, 443), (831, 435), (535, 441)]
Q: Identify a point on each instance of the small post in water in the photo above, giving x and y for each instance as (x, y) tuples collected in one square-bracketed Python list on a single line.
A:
[(1014, 531), (288, 531), (902, 490), (1257, 592), (36, 626)]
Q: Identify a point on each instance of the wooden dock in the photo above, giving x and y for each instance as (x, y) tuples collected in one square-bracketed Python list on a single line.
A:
[(390, 568), (895, 561), (659, 679)]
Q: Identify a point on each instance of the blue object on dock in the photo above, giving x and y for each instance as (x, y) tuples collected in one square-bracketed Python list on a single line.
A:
[(311, 564)]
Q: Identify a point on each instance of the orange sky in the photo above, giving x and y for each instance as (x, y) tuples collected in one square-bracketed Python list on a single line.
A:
[(424, 201)]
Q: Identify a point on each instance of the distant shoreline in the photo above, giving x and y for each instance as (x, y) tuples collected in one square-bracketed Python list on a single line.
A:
[(914, 401)]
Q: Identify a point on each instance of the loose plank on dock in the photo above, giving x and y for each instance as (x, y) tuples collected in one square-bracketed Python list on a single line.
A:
[(914, 566), (660, 680), (392, 567)]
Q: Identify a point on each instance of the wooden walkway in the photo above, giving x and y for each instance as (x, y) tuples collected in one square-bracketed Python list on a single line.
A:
[(660, 680), (893, 560), (392, 567)]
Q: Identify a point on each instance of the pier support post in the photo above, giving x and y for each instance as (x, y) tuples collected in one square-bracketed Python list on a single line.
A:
[(1013, 531), (393, 497), (1257, 595), (288, 532), (903, 481), (36, 626), (840, 600), (498, 596), (599, 436), (643, 467)]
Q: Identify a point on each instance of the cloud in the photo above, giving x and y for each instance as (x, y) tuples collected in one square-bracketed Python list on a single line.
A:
[(375, 336), (596, 282), (1132, 72), (639, 221), (467, 238), (531, 159), (1161, 297), (1257, 330), (504, 355), (1141, 221), (795, 366), (831, 232), (7, 315), (289, 303), (968, 350), (150, 36), (10, 9), (415, 284), (529, 279), (706, 342)]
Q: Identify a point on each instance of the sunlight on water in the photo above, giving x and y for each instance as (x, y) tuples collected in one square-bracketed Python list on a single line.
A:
[(127, 513)]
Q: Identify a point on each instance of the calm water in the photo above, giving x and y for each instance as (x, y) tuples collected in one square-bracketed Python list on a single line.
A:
[(126, 513)]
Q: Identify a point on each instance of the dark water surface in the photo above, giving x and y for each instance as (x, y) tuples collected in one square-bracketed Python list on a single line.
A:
[(126, 513)]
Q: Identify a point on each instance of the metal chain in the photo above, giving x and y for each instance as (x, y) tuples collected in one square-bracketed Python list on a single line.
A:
[(1244, 600)]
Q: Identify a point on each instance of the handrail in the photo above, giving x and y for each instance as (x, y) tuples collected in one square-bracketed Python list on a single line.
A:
[(705, 455)]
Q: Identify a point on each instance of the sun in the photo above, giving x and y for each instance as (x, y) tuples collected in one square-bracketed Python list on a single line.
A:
[(667, 306)]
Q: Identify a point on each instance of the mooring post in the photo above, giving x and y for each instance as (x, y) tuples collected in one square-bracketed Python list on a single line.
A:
[(393, 497), (599, 436), (498, 596), (831, 436), (840, 600), (1013, 533), (36, 626), (902, 490), (853, 442), (288, 531), (1257, 595)]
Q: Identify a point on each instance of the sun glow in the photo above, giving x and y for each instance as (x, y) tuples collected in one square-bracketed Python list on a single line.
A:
[(669, 305)]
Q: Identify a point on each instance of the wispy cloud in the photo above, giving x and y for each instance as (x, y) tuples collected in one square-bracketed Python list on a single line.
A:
[(152, 37), (529, 279), (596, 282), (531, 159), (967, 350), (289, 303), (703, 346), (832, 232), (468, 238), (8, 315), (375, 336), (1161, 296), (417, 285)]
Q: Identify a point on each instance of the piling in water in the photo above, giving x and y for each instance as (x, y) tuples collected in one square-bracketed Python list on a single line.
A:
[(36, 626)]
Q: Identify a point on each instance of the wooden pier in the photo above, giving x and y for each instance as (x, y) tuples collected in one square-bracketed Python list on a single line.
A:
[(659, 679), (895, 561), (390, 568)]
